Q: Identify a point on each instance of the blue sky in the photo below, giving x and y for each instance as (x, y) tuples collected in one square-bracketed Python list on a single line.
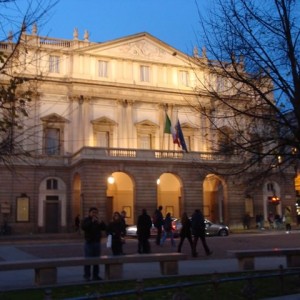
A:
[(175, 22)]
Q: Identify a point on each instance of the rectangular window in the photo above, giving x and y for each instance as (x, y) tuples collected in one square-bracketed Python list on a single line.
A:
[(145, 73), (54, 64), (52, 184), (102, 139), (145, 141), (52, 141), (102, 68), (22, 209), (183, 78)]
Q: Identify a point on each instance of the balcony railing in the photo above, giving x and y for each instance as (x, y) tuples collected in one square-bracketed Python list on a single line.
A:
[(150, 155)]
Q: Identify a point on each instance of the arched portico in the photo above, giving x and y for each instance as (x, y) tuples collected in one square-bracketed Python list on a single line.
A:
[(169, 195), (120, 195), (214, 198)]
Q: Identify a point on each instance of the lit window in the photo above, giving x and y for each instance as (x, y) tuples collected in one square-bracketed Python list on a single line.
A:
[(183, 78), (52, 141), (145, 73), (102, 68), (103, 139), (145, 141), (54, 64)]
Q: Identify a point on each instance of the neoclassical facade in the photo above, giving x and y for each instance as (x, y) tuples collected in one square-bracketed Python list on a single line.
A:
[(96, 136)]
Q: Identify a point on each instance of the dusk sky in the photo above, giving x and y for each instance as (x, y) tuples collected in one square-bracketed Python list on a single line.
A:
[(175, 22)]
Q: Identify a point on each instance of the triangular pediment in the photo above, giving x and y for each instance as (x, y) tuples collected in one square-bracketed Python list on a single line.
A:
[(146, 123), (103, 121), (54, 118), (141, 46), (187, 125)]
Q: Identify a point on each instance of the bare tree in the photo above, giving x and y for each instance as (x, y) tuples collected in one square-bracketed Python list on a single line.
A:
[(254, 82), (15, 92)]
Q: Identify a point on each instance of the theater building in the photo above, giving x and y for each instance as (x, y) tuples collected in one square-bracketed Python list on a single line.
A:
[(96, 136)]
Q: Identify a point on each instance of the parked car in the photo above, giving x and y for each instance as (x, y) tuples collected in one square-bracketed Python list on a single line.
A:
[(212, 229)]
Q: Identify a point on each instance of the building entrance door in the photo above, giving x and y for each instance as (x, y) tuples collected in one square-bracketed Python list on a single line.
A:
[(52, 216)]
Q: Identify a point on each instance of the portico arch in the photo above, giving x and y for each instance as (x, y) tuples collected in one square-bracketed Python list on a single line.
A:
[(214, 198), (169, 194), (120, 195)]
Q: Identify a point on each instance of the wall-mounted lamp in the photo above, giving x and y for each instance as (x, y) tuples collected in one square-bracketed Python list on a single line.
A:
[(158, 181), (111, 180)]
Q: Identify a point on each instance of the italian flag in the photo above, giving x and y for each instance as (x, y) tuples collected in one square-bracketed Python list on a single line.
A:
[(171, 130)]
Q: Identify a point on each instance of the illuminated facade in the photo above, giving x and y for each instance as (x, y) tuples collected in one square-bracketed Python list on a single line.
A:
[(98, 112)]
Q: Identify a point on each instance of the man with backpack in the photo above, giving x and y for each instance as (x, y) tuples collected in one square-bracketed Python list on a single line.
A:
[(158, 221)]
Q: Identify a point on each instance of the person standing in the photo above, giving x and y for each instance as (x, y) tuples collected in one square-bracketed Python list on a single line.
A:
[(158, 221), (198, 231), (77, 223), (144, 225), (185, 232), (168, 230), (288, 220), (92, 228), (117, 230)]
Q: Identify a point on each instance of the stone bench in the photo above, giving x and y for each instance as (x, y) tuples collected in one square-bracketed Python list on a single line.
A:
[(45, 270), (246, 257)]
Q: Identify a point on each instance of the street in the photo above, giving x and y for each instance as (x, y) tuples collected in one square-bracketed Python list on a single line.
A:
[(47, 248)]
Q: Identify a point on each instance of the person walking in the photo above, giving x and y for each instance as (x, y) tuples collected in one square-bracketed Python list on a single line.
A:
[(185, 232), (198, 231), (117, 230), (168, 230), (144, 225), (92, 228), (158, 221)]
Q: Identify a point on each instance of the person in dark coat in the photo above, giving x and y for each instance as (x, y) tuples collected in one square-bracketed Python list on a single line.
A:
[(198, 231), (185, 232), (144, 225), (117, 230), (92, 228), (158, 221)]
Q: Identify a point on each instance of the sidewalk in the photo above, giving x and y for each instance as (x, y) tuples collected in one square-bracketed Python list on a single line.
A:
[(24, 279), (14, 248)]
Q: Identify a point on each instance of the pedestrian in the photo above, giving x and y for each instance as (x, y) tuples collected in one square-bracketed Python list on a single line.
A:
[(77, 223), (246, 221), (259, 221), (168, 230), (144, 225), (185, 232), (288, 220), (158, 221), (117, 230), (198, 231), (92, 228), (271, 220), (123, 220)]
